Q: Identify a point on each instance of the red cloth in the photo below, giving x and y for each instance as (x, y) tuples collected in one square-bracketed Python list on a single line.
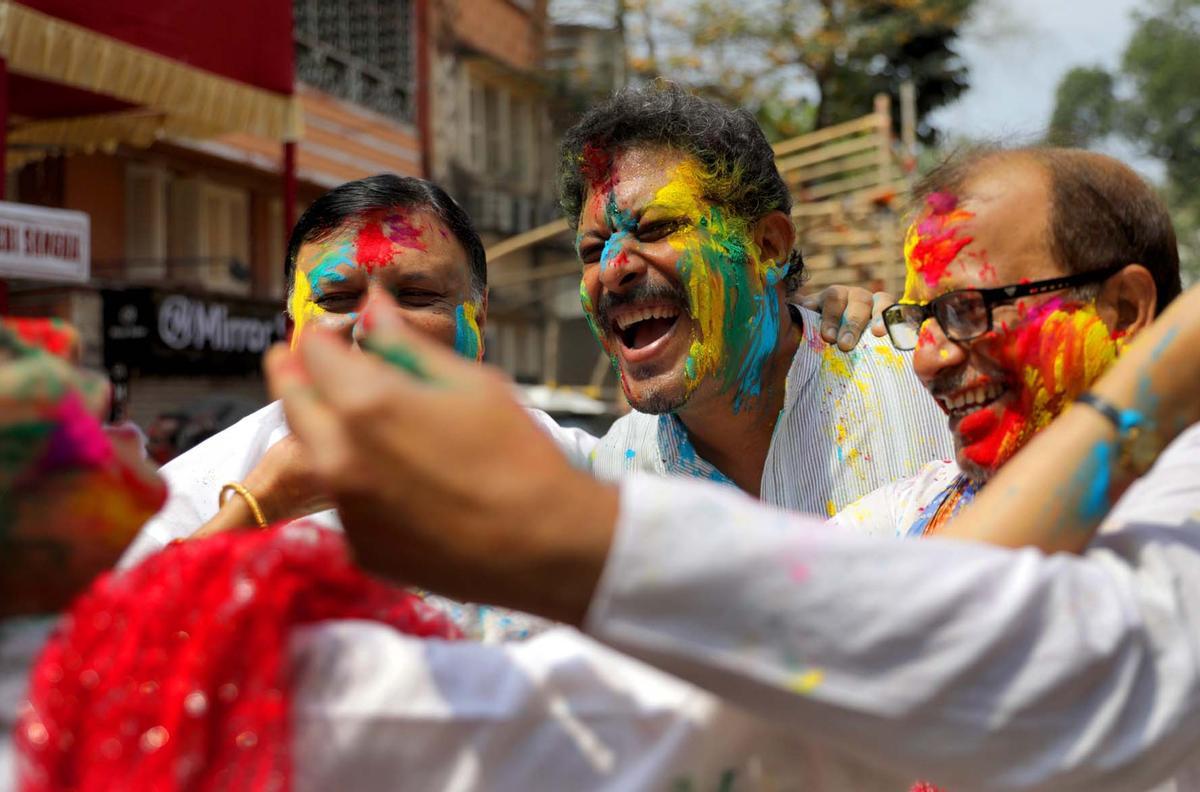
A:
[(174, 674)]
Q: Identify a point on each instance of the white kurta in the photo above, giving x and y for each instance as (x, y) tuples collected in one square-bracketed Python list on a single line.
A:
[(194, 479), (851, 422), (968, 665)]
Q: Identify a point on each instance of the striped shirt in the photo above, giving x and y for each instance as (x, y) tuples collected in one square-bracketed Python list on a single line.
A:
[(851, 422)]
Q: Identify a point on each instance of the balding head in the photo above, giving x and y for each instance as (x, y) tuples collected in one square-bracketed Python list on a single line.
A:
[(1101, 212)]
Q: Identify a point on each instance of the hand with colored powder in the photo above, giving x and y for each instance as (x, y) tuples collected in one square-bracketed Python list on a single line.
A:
[(396, 438), (70, 498), (846, 312), (1056, 490)]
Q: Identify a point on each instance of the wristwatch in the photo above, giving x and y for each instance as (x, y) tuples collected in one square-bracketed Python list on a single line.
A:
[(1137, 445)]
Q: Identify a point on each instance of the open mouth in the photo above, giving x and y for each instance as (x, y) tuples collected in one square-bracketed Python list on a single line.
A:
[(968, 400), (643, 330)]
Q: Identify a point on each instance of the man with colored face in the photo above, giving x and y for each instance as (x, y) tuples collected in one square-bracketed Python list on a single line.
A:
[(402, 236), (687, 245), (406, 251), (1027, 272)]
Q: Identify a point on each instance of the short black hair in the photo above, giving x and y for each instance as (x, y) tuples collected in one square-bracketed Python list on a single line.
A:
[(1102, 213), (346, 203), (728, 143)]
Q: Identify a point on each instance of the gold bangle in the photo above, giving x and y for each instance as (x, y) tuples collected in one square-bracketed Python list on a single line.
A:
[(251, 501)]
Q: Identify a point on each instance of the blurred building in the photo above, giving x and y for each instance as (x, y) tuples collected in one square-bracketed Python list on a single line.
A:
[(187, 200)]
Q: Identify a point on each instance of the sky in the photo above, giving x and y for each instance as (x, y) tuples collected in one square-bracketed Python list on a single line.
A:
[(1018, 50)]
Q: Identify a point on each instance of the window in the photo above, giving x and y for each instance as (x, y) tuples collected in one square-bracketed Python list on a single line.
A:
[(360, 50), (209, 239), (145, 214)]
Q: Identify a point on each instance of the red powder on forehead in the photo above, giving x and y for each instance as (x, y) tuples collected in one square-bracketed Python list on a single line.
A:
[(937, 242), (596, 165), (402, 232), (371, 248)]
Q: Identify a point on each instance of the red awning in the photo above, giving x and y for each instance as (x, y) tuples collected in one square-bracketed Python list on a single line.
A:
[(87, 75), (245, 40)]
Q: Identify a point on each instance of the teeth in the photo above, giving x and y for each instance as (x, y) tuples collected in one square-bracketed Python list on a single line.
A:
[(962, 402), (635, 315)]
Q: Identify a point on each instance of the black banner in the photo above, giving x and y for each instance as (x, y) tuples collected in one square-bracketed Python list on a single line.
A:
[(152, 331)]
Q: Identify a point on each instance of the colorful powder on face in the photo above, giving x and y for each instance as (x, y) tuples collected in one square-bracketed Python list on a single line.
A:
[(1052, 356), (402, 233), (372, 249), (467, 339), (932, 243), (303, 307), (621, 224), (730, 289), (596, 167), (328, 269)]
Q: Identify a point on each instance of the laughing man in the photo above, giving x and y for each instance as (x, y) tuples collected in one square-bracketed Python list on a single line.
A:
[(687, 245)]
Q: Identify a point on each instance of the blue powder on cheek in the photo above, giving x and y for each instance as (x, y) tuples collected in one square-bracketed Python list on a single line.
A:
[(466, 335)]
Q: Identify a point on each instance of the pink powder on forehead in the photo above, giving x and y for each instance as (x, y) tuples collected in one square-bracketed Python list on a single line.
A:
[(402, 232), (941, 203)]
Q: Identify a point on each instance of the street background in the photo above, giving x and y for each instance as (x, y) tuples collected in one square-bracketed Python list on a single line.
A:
[(161, 151)]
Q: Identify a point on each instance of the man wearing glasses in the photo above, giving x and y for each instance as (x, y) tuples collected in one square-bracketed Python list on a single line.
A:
[(1028, 271)]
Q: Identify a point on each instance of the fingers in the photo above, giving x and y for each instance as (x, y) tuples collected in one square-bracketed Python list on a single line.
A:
[(855, 319), (311, 421), (389, 338), (879, 301), (833, 302)]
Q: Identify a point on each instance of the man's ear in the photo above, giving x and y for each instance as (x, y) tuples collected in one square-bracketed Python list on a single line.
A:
[(1128, 300), (775, 235)]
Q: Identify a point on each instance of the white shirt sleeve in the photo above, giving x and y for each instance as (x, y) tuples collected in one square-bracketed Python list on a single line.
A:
[(373, 709), (575, 443), (970, 666)]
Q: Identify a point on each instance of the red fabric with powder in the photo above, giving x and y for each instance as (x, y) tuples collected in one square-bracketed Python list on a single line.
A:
[(174, 675)]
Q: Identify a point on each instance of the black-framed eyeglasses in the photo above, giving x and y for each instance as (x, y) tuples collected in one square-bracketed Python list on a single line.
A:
[(967, 313)]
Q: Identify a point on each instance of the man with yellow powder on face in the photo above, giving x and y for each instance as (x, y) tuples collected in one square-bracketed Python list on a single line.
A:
[(685, 235), (1028, 271), (403, 236)]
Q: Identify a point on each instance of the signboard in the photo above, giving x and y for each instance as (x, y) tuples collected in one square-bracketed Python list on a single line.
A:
[(152, 331), (44, 244)]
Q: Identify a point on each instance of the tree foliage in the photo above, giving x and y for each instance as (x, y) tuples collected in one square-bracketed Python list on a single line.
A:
[(800, 64), (1152, 102)]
